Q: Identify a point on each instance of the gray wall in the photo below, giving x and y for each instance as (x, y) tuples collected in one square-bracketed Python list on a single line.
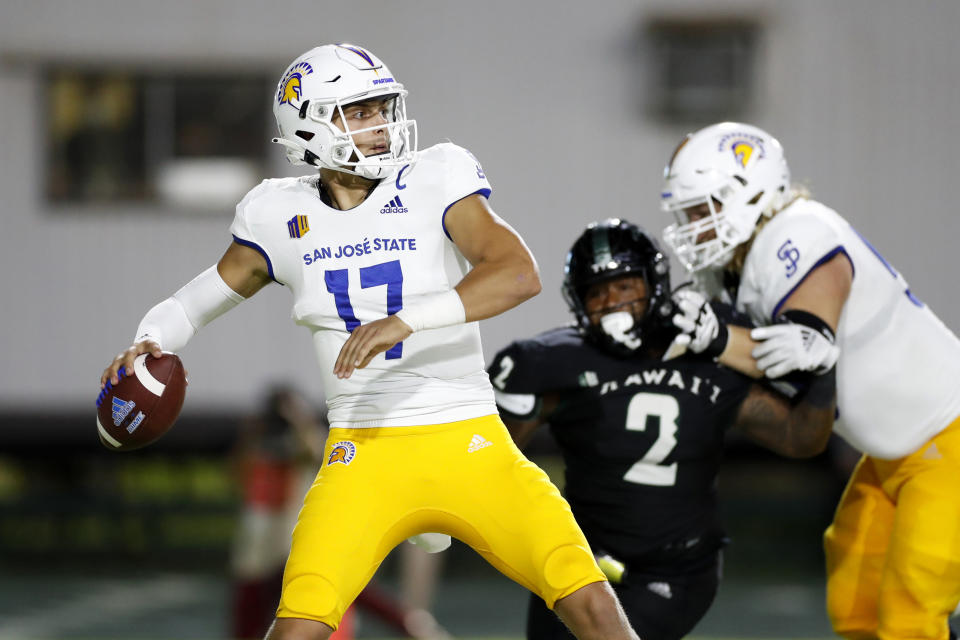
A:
[(861, 93)]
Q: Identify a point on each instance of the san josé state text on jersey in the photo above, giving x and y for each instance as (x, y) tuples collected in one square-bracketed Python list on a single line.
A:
[(641, 438), (361, 248)]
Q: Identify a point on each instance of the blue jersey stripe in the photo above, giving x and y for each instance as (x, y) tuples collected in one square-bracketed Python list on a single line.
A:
[(258, 249), (825, 258), (443, 220)]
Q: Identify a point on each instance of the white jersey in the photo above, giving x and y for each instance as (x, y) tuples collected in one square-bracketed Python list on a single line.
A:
[(898, 377), (347, 268)]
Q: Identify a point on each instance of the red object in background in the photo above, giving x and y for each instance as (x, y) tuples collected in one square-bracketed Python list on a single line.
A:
[(345, 630), (269, 483)]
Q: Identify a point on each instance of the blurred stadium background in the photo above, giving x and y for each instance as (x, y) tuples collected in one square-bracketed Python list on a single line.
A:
[(128, 131)]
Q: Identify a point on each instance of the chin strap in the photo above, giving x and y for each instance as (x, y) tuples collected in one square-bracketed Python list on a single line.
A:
[(296, 153)]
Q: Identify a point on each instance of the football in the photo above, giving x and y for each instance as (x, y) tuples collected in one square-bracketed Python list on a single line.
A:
[(143, 405)]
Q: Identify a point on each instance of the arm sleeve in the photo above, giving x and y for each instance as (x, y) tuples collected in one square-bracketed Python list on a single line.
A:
[(173, 322)]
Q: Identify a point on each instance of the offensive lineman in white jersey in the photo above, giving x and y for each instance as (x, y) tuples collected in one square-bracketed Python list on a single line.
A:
[(834, 306), (376, 250)]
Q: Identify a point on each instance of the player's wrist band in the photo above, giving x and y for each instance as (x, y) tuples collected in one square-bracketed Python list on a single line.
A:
[(807, 319), (434, 311), (718, 344)]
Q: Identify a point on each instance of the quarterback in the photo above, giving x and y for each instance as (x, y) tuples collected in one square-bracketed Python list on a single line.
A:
[(641, 437), (392, 256), (832, 303)]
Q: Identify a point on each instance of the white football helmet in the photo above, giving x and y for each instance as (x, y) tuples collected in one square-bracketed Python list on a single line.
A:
[(739, 172), (316, 87)]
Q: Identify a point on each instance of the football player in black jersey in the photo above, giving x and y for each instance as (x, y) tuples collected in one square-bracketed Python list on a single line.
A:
[(641, 434)]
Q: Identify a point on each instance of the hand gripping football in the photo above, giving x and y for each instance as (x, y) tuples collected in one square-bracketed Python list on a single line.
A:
[(143, 405)]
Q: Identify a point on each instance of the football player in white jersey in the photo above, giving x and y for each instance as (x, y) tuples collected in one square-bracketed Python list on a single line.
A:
[(833, 306), (377, 249)]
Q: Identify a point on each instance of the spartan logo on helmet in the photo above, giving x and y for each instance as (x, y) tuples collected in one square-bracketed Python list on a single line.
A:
[(289, 91)]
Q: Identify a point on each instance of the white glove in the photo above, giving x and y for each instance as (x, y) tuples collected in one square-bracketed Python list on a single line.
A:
[(431, 542), (702, 330), (790, 347)]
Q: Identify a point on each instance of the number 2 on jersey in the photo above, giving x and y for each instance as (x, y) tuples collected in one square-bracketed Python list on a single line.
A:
[(648, 469), (385, 273)]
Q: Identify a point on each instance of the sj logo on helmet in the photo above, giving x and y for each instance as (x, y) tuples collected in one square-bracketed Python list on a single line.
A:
[(290, 88)]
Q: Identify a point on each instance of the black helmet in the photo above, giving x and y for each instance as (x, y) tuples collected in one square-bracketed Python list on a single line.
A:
[(611, 249)]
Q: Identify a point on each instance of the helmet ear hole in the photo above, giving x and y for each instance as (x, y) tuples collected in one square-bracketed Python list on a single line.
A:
[(306, 135), (755, 199), (303, 109)]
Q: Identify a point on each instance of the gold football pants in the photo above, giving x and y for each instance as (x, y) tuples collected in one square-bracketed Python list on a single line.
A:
[(377, 487), (893, 550)]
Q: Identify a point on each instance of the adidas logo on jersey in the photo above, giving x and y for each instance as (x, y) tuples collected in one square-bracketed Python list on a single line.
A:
[(394, 206), (478, 442)]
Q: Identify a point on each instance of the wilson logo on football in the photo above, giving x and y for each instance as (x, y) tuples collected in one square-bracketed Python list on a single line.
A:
[(342, 452)]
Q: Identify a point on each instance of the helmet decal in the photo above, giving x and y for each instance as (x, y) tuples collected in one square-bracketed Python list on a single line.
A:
[(743, 146), (290, 88), (601, 252), (363, 54), (742, 152)]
